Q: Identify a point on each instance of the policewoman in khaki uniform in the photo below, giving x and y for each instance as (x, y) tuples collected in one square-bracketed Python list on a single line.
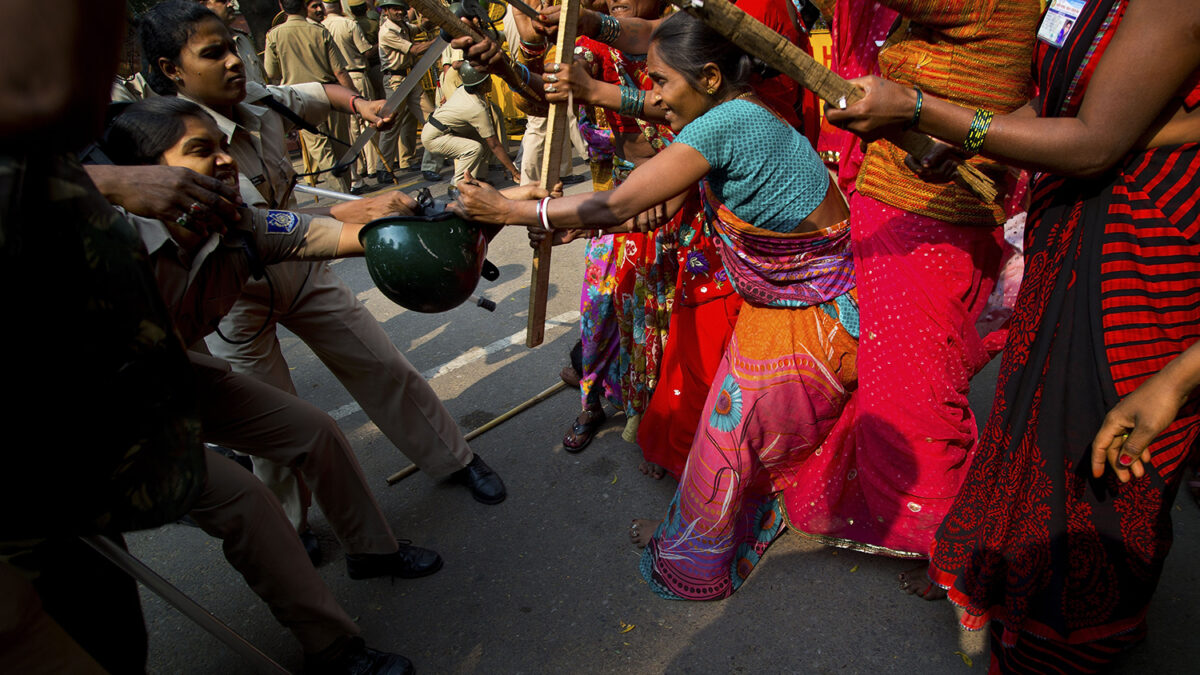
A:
[(200, 273), (307, 297)]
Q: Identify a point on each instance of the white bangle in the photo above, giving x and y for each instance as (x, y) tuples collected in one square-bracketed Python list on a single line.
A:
[(542, 214)]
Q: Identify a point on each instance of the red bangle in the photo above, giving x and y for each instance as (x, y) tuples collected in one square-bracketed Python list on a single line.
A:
[(353, 108)]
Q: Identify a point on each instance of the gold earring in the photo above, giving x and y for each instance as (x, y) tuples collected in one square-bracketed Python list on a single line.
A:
[(711, 91)]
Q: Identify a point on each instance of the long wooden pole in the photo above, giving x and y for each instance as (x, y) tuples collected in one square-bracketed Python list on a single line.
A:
[(547, 393), (556, 136), (776, 51), (441, 16)]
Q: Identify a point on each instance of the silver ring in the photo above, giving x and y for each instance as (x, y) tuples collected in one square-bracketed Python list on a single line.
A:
[(551, 78), (557, 67), (194, 207), (552, 89), (183, 219)]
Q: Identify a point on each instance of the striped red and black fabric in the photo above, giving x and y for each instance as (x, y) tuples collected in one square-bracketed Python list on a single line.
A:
[(1111, 293), (1044, 657), (1149, 272), (1067, 563)]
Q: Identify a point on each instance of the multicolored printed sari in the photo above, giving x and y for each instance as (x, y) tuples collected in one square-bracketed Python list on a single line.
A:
[(629, 278), (788, 371), (1061, 564), (641, 271)]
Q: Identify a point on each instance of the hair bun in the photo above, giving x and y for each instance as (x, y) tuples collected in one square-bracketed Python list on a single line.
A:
[(761, 68)]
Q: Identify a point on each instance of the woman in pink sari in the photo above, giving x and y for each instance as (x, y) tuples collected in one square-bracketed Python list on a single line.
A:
[(927, 257)]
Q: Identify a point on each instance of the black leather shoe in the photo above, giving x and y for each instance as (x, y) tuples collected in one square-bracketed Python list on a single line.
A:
[(409, 562), (485, 484), (431, 176), (358, 189), (384, 177), (311, 546), (354, 657)]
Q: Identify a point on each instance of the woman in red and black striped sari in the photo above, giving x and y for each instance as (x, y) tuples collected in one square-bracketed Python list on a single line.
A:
[(1108, 319)]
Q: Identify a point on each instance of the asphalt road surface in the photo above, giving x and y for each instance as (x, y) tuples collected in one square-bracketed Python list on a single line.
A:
[(547, 581)]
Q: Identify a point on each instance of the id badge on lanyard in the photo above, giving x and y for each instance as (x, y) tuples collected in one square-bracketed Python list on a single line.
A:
[(1059, 21)]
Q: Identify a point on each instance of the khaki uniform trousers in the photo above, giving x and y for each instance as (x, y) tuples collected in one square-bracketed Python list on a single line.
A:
[(399, 143), (534, 140), (324, 152), (469, 154), (30, 640), (369, 157), (242, 413), (316, 305)]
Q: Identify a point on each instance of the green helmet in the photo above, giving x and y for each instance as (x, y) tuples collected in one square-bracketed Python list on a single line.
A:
[(424, 263), (470, 76), (393, 3)]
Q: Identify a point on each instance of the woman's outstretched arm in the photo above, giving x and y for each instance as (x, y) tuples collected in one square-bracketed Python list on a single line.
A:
[(659, 179)]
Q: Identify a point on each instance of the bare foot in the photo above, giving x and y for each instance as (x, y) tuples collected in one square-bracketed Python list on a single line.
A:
[(653, 470), (916, 582), (642, 531)]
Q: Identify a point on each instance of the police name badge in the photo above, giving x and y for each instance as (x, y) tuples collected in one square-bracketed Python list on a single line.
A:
[(282, 222), (1059, 21)]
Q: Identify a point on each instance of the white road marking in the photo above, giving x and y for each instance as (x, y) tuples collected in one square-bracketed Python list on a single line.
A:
[(470, 356)]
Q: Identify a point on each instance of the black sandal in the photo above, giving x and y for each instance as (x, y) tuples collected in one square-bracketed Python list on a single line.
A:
[(584, 430)]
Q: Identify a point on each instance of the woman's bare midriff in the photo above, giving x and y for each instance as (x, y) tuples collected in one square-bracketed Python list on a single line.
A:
[(831, 211)]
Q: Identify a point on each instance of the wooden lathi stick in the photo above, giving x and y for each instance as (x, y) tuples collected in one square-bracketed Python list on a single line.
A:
[(759, 41), (556, 138), (441, 16), (501, 419)]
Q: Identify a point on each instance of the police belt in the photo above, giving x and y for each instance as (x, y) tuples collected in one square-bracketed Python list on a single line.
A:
[(438, 125), (356, 70)]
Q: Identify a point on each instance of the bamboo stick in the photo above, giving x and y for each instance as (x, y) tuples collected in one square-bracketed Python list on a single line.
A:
[(556, 135), (545, 394), (776, 51)]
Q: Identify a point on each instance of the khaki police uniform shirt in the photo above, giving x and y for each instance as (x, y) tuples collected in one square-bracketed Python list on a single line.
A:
[(300, 51), (248, 53), (370, 28), (200, 288), (395, 41), (130, 89), (464, 114), (257, 136), (350, 41)]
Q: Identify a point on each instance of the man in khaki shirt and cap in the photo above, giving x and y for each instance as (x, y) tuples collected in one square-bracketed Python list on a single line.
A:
[(398, 51), (464, 129), (355, 49), (300, 51)]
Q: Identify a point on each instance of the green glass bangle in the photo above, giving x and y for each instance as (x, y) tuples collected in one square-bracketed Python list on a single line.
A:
[(916, 118), (610, 29), (978, 131)]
